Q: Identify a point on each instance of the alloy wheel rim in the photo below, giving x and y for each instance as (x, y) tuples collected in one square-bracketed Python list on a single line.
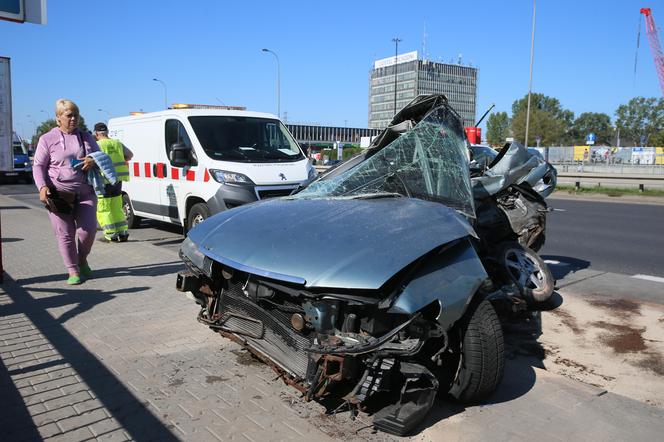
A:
[(525, 271)]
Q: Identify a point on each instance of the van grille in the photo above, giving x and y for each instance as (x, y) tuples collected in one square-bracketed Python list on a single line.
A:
[(273, 193)]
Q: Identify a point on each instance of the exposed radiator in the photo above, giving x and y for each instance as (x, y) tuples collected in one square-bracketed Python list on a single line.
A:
[(280, 342)]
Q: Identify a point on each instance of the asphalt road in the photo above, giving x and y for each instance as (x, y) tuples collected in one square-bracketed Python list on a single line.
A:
[(602, 236)]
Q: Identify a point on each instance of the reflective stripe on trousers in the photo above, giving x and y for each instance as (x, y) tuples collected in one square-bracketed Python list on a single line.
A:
[(110, 216)]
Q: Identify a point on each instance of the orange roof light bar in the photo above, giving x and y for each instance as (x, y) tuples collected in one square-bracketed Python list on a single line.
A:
[(206, 106)]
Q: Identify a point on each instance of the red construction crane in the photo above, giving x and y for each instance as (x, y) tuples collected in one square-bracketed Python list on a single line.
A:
[(655, 48)]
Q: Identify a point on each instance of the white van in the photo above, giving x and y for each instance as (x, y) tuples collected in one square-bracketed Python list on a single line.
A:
[(189, 163)]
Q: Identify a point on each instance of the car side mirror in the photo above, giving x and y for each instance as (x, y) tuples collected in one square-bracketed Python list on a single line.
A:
[(180, 154)]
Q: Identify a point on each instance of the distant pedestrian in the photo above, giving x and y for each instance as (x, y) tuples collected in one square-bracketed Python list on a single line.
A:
[(59, 169), (110, 215)]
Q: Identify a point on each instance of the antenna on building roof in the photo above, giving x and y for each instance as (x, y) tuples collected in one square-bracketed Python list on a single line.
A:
[(425, 56)]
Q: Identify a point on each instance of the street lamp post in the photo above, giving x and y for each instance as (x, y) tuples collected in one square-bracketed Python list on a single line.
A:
[(278, 80), (396, 54), (165, 92), (107, 113), (530, 84)]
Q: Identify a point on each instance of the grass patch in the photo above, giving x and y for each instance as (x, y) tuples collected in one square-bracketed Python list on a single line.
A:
[(610, 191)]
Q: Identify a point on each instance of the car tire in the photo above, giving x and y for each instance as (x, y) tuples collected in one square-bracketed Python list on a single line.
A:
[(133, 220), (482, 354), (197, 214), (527, 271)]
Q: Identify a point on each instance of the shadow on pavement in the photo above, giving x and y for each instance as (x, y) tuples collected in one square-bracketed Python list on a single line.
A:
[(567, 265), (523, 352), (169, 268), (15, 419), (138, 422)]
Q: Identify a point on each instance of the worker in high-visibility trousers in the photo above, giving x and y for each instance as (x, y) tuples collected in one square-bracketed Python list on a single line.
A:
[(110, 216)]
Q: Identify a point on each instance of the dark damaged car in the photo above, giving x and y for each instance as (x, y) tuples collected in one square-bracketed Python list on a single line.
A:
[(374, 285)]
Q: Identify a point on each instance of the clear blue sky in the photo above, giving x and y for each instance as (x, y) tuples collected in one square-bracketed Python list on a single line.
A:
[(105, 54)]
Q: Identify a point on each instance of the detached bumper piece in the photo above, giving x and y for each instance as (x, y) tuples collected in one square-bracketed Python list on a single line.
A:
[(416, 399)]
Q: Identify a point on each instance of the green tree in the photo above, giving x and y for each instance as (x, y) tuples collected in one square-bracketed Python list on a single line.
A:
[(49, 124), (548, 120), (640, 119), (592, 122), (497, 128), (657, 139)]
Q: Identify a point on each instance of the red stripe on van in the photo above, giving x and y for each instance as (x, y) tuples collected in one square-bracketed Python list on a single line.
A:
[(146, 168), (175, 173), (206, 177), (137, 169), (191, 175), (161, 168)]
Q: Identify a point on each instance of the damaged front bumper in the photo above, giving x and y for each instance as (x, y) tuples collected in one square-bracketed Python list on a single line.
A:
[(299, 341)]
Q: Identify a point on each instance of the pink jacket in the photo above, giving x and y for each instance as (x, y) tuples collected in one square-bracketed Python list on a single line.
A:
[(52, 164)]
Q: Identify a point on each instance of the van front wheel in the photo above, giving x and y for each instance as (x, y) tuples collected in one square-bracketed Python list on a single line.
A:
[(198, 213)]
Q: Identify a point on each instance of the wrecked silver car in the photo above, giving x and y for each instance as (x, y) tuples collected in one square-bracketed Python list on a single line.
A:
[(376, 284)]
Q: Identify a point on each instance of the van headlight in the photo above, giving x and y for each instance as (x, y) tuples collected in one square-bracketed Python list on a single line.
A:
[(224, 177)]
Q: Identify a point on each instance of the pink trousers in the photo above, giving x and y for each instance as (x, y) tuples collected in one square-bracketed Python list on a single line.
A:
[(75, 233)]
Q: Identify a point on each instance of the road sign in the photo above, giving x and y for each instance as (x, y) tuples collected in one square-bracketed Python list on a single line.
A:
[(590, 139)]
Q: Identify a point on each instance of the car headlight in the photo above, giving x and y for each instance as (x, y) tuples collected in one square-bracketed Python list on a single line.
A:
[(190, 250), (224, 177), (313, 173)]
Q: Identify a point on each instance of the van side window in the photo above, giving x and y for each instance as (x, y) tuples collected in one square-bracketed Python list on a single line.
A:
[(177, 134)]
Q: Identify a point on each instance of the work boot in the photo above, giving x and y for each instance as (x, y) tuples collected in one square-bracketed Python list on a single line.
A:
[(112, 238)]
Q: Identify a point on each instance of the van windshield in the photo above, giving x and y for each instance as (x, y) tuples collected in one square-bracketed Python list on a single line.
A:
[(19, 149), (245, 139)]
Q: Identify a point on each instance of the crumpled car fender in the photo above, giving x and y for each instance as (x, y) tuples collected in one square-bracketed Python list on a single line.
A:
[(451, 277)]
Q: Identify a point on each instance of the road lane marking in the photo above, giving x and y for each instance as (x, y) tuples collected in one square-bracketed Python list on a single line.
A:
[(553, 262), (649, 278)]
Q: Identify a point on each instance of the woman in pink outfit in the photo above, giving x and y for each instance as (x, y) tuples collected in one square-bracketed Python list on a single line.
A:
[(57, 152)]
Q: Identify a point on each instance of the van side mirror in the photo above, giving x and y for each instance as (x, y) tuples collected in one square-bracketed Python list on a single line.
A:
[(179, 155)]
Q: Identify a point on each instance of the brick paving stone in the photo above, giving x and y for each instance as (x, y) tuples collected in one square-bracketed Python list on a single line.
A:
[(49, 430), (74, 435), (88, 418), (113, 436), (54, 415)]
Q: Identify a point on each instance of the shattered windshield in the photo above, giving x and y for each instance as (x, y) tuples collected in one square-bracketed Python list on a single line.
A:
[(429, 162)]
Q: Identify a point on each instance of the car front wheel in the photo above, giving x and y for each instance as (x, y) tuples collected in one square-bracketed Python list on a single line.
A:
[(481, 354)]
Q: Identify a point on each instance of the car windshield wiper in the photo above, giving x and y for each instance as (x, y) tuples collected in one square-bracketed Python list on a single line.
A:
[(232, 154), (277, 155)]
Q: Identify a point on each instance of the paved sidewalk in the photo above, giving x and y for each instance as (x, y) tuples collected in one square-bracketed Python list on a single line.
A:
[(122, 357)]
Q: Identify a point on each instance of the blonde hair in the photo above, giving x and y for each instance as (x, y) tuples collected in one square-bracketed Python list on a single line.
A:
[(63, 105)]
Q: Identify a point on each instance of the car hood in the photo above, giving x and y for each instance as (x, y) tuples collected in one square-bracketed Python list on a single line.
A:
[(332, 242)]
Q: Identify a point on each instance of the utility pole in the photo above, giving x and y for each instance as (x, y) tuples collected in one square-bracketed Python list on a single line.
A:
[(530, 85), (396, 41)]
